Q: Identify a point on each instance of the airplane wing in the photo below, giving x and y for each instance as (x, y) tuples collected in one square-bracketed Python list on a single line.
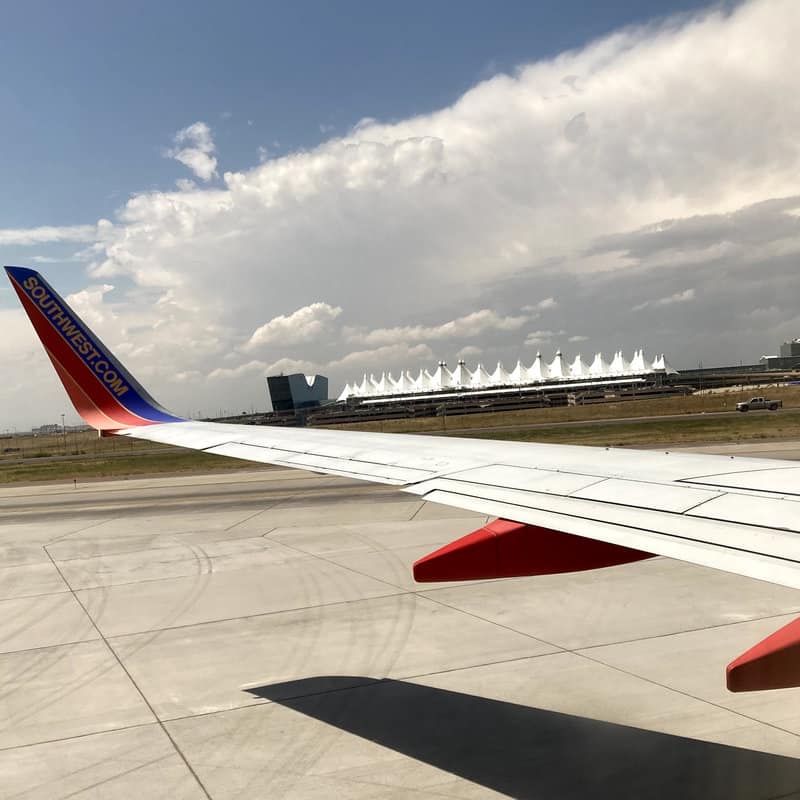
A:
[(559, 508)]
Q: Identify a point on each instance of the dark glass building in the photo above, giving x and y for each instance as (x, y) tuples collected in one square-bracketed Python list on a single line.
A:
[(297, 392)]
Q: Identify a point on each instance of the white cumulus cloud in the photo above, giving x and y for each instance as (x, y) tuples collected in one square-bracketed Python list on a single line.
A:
[(195, 148), (303, 325), (470, 325), (686, 296), (45, 234), (470, 351), (390, 356), (543, 305), (535, 338), (660, 161)]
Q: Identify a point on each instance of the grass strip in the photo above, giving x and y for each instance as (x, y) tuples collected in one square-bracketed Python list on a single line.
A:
[(667, 432), (90, 466)]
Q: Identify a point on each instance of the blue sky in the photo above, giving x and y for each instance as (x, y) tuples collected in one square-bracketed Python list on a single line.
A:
[(233, 190), (92, 92)]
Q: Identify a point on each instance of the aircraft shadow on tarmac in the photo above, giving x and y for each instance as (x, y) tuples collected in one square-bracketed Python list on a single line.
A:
[(532, 753)]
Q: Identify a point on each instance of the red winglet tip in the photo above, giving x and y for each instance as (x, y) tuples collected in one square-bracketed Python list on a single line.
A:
[(471, 557), (773, 663)]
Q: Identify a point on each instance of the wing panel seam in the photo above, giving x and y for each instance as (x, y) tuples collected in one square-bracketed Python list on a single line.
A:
[(571, 496), (342, 459), (627, 526)]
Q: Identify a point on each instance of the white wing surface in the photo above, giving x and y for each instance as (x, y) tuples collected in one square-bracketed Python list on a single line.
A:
[(560, 508), (741, 515)]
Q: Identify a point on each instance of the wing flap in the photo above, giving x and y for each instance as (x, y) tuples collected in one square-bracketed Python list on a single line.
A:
[(752, 564), (526, 478), (780, 479), (656, 496), (772, 512), (701, 527)]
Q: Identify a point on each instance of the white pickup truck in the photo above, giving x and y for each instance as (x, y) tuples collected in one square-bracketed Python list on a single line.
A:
[(759, 403)]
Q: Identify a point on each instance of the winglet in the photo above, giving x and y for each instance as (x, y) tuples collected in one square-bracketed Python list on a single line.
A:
[(103, 392), (773, 663)]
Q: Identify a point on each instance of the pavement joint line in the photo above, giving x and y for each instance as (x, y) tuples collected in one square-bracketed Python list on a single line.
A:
[(130, 677), (379, 549), (46, 647), (248, 518), (423, 595), (273, 505), (601, 644), (70, 559), (498, 662), (65, 590), (165, 537), (80, 530), (156, 631), (421, 506), (77, 736), (676, 690), (368, 681), (204, 556), (490, 621), (578, 652), (710, 627), (190, 546), (402, 589)]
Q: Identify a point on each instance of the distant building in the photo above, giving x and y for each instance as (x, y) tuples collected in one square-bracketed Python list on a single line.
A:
[(297, 392), (560, 373), (780, 362), (791, 349), (46, 430), (789, 357)]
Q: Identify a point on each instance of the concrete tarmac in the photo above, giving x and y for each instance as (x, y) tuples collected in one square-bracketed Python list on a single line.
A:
[(259, 635)]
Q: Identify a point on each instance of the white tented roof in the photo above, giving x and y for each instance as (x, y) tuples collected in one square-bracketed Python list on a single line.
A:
[(540, 371)]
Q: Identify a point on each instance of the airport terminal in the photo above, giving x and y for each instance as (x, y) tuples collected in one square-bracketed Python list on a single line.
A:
[(561, 381)]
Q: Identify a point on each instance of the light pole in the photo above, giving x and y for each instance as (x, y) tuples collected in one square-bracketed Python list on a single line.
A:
[(64, 433)]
